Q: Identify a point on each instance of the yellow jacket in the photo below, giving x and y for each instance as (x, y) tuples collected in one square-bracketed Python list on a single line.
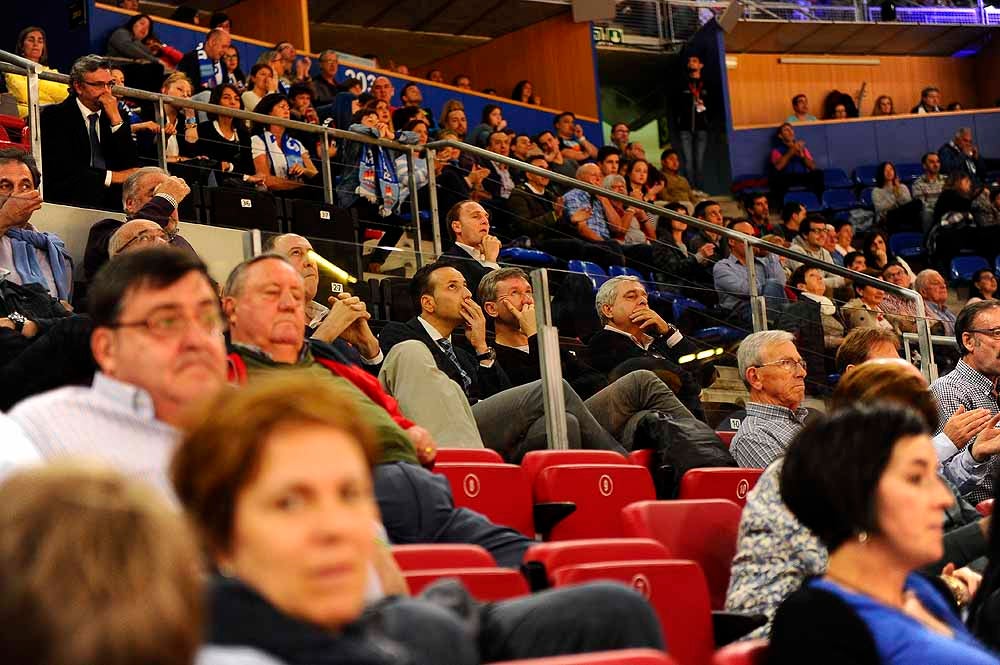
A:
[(49, 92)]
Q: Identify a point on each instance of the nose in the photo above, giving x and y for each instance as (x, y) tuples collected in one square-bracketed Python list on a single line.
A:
[(529, 299), (287, 301)]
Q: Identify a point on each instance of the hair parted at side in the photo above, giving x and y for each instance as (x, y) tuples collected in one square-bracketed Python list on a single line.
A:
[(887, 380), (856, 346), (208, 477)]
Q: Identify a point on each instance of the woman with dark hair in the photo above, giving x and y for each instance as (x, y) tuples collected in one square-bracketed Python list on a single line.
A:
[(278, 158), (883, 106), (878, 254), (639, 177), (492, 121), (260, 84), (984, 286), (225, 139), (231, 68), (524, 92), (127, 40), (839, 106), (864, 481), (32, 44), (895, 209), (674, 263)]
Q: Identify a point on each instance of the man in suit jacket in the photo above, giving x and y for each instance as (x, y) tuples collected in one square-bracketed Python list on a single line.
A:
[(463, 398), (87, 146), (474, 252), (638, 338)]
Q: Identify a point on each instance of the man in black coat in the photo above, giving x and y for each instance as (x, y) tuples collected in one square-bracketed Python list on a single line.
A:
[(87, 146), (474, 251)]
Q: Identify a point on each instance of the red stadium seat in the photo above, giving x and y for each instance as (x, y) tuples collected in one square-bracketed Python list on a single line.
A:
[(599, 492), (485, 584), (424, 557), (542, 560), (985, 507), (498, 491), (459, 455), (751, 652), (703, 531), (623, 657), (675, 589), (643, 458), (719, 483), (726, 437), (538, 460)]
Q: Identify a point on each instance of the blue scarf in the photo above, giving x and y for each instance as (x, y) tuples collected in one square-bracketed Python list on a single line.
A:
[(377, 177), (291, 148), (23, 243), (209, 71)]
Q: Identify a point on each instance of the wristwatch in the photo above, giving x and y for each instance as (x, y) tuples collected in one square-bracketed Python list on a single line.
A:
[(490, 354), (19, 320)]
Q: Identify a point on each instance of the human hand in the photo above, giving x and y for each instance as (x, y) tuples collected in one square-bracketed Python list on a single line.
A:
[(525, 316), (558, 207), (343, 314), (311, 116), (358, 334), (581, 215), (491, 247), (302, 66), (17, 209), (169, 128), (424, 444), (478, 174), (109, 103), (296, 170), (655, 189), (502, 125), (968, 582), (578, 131), (649, 321), (174, 187), (987, 442), (475, 325), (963, 425), (707, 250)]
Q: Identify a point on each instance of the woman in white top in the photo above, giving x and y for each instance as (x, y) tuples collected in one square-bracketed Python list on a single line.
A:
[(280, 159), (260, 83)]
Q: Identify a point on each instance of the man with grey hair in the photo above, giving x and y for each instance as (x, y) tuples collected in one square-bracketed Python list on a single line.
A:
[(87, 146), (325, 84), (775, 373), (960, 155), (148, 193), (934, 290), (635, 336), (592, 215)]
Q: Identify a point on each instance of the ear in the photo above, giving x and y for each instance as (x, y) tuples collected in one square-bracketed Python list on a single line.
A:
[(427, 303), (102, 346), (456, 227), (967, 341), (229, 309), (753, 378), (490, 308)]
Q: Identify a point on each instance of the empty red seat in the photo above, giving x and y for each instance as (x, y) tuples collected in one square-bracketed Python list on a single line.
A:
[(600, 492), (703, 531), (985, 507), (424, 557), (751, 652), (498, 491), (542, 560), (538, 460), (485, 584), (726, 437), (643, 458), (622, 657), (719, 483), (677, 592), (459, 455)]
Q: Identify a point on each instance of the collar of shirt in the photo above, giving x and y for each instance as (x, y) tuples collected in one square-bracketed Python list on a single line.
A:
[(644, 347), (968, 374), (316, 313), (472, 251), (86, 113), (135, 399), (530, 187), (432, 331), (775, 411), (305, 355)]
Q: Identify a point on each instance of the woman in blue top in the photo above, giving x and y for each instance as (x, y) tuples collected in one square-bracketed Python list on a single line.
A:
[(865, 483)]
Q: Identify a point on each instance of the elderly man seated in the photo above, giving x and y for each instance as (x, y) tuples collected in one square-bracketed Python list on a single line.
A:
[(592, 216), (773, 370), (732, 278)]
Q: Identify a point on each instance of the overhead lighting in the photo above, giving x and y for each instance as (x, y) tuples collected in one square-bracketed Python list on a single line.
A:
[(732, 62), (338, 273), (804, 60)]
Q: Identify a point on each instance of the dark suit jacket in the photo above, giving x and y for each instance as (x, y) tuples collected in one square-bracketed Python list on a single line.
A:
[(486, 381), (472, 270), (69, 178)]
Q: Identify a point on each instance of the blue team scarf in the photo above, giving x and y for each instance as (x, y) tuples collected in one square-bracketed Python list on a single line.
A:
[(23, 243), (291, 148), (377, 178), (209, 71)]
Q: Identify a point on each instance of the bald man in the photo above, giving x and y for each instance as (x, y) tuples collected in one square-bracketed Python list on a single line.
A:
[(592, 216), (136, 234)]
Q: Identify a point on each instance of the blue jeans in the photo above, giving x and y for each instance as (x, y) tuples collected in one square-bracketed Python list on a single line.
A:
[(693, 148)]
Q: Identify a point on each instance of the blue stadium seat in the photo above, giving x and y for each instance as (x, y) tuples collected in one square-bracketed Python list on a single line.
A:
[(407, 216), (962, 267), (996, 265), (528, 257), (865, 175), (839, 199), (836, 179), (681, 305), (720, 334), (590, 269), (907, 245), (623, 271), (909, 171), (808, 199), (866, 198)]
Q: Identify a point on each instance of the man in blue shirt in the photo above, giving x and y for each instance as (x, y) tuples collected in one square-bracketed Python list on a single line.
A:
[(593, 216), (732, 279)]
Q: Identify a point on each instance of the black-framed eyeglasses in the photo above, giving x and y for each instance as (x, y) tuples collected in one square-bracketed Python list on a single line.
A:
[(167, 325), (144, 237), (100, 84), (787, 364), (992, 333)]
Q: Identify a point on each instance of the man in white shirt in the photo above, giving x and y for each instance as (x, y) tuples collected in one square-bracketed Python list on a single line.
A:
[(474, 252)]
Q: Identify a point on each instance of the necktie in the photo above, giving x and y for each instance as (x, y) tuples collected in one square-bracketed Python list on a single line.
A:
[(96, 156), (449, 351)]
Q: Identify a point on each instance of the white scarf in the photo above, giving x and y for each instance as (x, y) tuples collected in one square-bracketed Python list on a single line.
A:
[(826, 305)]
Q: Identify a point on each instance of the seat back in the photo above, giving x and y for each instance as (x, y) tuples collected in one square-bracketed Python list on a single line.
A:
[(536, 461), (839, 199), (243, 209), (719, 483), (866, 198), (599, 492), (624, 271), (750, 652), (484, 584), (675, 589), (543, 560), (836, 179), (396, 298), (620, 657), (808, 199), (459, 455), (498, 491), (428, 557), (865, 175), (907, 244), (726, 437), (701, 530), (909, 171), (590, 269), (963, 267)]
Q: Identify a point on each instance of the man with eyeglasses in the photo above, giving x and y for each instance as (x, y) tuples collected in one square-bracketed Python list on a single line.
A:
[(775, 373), (973, 383), (158, 344), (87, 145), (812, 236), (325, 84), (135, 235)]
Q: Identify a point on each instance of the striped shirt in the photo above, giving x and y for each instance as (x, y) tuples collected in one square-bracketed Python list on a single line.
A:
[(111, 422), (765, 433)]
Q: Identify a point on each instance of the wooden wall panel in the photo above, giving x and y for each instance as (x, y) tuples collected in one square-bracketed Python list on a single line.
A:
[(266, 20), (987, 62), (556, 55), (761, 88)]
